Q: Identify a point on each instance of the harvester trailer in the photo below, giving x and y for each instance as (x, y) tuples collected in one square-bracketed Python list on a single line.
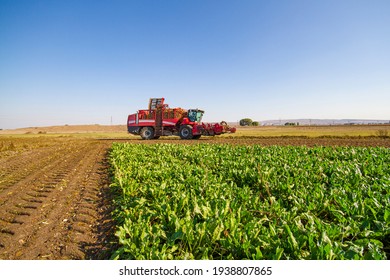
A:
[(160, 120)]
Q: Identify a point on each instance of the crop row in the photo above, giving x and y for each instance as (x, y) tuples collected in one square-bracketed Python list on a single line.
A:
[(250, 202)]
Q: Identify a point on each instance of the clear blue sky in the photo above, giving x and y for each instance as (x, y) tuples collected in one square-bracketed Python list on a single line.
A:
[(85, 62)]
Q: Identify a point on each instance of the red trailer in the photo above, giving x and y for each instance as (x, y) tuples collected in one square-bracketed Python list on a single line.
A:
[(160, 120)]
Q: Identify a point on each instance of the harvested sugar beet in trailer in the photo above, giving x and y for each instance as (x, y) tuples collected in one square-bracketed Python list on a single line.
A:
[(160, 120)]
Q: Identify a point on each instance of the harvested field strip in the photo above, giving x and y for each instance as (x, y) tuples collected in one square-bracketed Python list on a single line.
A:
[(45, 206), (34, 163)]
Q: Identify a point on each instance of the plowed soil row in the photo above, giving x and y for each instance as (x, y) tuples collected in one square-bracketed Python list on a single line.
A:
[(53, 202), (54, 198)]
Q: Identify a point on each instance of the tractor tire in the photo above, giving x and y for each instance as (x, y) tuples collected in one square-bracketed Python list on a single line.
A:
[(185, 132), (147, 133)]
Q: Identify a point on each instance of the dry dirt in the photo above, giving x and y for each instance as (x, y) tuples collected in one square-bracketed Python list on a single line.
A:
[(55, 198)]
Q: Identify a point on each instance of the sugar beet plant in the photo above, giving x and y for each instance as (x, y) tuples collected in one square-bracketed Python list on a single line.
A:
[(251, 202)]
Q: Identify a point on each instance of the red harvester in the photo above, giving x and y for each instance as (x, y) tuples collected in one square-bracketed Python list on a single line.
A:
[(160, 120)]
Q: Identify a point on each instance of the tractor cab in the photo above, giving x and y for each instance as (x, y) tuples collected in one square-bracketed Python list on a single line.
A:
[(195, 115)]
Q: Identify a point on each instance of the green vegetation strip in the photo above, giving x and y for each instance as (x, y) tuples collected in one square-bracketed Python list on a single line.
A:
[(251, 202)]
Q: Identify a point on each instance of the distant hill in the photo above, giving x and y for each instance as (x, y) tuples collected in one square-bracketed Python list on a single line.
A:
[(323, 121)]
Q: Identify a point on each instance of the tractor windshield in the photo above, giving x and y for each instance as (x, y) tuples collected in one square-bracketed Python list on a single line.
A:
[(195, 115)]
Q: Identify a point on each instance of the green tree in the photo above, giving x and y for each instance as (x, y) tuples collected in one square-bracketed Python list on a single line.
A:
[(255, 123), (246, 122)]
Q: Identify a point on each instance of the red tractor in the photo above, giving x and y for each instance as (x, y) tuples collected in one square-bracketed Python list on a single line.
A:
[(160, 120)]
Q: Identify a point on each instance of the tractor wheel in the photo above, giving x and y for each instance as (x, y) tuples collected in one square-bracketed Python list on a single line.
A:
[(196, 136), (147, 133), (185, 132)]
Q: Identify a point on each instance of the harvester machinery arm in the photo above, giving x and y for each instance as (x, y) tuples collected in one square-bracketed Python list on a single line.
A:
[(227, 128)]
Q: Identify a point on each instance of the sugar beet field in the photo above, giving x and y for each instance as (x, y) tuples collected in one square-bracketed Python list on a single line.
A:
[(73, 197), (251, 202)]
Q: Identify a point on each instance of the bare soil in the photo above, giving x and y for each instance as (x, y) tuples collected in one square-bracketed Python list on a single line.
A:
[(55, 201)]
